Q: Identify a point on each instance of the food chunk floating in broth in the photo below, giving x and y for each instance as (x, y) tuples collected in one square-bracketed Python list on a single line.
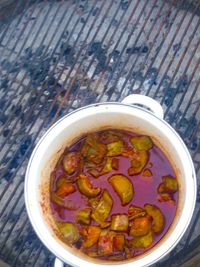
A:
[(113, 195)]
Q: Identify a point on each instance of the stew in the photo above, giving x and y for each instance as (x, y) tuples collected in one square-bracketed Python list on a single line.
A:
[(113, 195)]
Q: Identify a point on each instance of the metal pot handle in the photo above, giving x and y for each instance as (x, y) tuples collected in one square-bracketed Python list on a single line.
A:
[(146, 101), (58, 263)]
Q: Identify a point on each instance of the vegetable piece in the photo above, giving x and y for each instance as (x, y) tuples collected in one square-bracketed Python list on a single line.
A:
[(103, 209), (119, 242), (119, 222), (123, 187), (142, 241), (86, 188), (165, 197), (138, 162), (61, 180), (93, 202), (115, 148), (107, 167), (140, 226), (135, 210), (71, 162), (90, 235), (93, 151), (147, 173), (157, 216), (69, 232), (115, 163), (95, 173), (105, 244), (170, 184), (129, 252), (65, 203), (66, 189), (110, 164), (168, 187), (83, 216), (109, 137), (128, 152), (141, 142)]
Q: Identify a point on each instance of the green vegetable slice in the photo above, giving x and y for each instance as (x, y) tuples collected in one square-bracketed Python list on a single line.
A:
[(93, 151), (141, 142), (83, 216), (142, 241), (119, 222), (123, 187), (157, 216), (138, 162), (85, 187), (71, 162), (115, 148), (103, 208), (69, 231)]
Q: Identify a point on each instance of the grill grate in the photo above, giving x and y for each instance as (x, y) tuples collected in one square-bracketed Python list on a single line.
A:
[(57, 56)]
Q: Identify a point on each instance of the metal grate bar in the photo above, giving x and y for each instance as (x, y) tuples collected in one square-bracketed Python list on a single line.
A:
[(25, 92), (73, 79), (189, 82), (20, 100), (93, 58), (22, 47), (10, 22), (176, 51), (106, 86), (13, 32), (156, 36), (6, 256), (180, 61), (190, 100), (152, 43), (106, 66), (151, 47)]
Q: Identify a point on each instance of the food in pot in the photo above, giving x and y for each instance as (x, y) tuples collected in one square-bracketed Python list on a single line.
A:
[(113, 195)]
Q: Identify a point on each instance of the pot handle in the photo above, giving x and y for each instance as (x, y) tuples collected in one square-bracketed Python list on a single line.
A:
[(146, 101), (58, 263)]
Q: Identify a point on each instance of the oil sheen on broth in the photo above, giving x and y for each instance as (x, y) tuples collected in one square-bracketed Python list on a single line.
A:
[(113, 195)]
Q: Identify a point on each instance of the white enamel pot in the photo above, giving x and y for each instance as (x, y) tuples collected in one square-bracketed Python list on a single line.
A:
[(128, 116)]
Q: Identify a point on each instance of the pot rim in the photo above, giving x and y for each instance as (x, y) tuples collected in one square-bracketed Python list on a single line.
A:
[(31, 215)]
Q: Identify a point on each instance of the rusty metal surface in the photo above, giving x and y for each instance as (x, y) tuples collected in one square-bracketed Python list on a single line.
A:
[(57, 56)]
